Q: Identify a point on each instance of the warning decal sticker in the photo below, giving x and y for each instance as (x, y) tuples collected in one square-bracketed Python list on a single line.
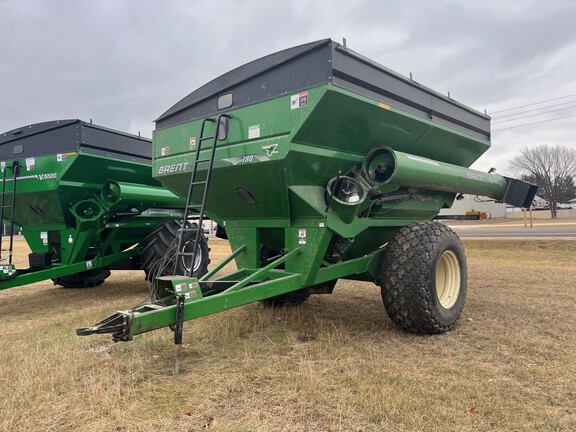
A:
[(254, 131), (302, 236), (30, 162), (299, 101)]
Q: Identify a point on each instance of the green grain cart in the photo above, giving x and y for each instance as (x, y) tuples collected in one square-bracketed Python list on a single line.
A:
[(84, 199), (320, 164)]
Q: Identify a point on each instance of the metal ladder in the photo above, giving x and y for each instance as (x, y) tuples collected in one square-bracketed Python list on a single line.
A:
[(10, 206), (203, 186)]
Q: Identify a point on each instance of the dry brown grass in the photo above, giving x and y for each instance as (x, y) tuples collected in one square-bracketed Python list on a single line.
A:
[(336, 363)]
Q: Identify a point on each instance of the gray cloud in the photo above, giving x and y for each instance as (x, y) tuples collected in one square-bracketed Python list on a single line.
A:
[(123, 63)]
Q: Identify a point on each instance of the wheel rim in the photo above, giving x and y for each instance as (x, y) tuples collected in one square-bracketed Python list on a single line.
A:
[(188, 249), (448, 279)]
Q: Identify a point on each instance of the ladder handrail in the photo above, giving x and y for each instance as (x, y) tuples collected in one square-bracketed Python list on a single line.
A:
[(15, 172), (206, 183)]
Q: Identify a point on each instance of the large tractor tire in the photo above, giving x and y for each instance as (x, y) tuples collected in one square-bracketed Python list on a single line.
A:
[(159, 252), (424, 278), (85, 279)]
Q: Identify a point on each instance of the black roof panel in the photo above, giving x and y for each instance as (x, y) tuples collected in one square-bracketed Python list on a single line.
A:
[(324, 62), (71, 135)]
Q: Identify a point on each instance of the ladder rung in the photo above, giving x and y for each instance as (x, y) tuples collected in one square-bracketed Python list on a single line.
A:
[(203, 185)]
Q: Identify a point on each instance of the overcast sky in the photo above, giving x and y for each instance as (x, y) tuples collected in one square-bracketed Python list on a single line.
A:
[(123, 63)]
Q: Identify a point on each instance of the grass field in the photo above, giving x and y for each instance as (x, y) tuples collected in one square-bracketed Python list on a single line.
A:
[(336, 363)]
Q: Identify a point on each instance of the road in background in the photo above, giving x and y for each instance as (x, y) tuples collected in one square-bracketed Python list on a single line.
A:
[(514, 228)]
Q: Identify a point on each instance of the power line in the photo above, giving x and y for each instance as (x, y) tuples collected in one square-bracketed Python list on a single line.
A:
[(535, 103), (532, 110), (534, 115), (528, 124)]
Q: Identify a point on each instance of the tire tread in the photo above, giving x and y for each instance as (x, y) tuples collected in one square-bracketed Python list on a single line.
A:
[(406, 277)]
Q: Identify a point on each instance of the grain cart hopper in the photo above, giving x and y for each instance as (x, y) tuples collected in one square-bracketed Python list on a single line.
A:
[(321, 164), (84, 199)]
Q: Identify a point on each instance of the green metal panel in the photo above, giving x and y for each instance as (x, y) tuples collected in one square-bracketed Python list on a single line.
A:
[(348, 122), (313, 243), (309, 146), (249, 240)]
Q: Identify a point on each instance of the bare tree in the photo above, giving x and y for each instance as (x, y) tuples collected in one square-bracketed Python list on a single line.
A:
[(552, 168)]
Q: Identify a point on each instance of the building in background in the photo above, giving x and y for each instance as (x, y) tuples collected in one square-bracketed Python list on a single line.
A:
[(473, 207)]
